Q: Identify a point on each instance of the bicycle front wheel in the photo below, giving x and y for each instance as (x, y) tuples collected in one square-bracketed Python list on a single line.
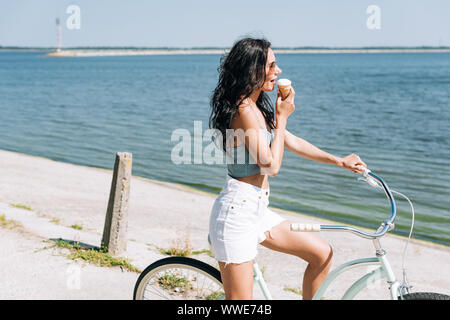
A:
[(179, 278), (424, 296)]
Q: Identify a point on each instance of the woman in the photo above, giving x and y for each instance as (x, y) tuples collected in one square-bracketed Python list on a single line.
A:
[(240, 218)]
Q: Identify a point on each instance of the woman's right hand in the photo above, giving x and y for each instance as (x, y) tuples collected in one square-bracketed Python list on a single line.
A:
[(285, 107)]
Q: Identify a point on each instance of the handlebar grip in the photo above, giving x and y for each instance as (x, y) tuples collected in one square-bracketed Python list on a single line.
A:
[(363, 170), (305, 227)]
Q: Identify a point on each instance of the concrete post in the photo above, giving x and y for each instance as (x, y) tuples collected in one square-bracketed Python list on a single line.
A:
[(116, 222)]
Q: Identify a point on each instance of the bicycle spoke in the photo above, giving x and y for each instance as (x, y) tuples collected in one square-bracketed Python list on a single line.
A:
[(181, 281)]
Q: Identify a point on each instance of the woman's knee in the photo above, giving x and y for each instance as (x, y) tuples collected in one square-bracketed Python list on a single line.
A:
[(322, 255)]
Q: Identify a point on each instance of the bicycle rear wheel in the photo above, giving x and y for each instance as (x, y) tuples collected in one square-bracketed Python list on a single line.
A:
[(179, 278), (424, 296)]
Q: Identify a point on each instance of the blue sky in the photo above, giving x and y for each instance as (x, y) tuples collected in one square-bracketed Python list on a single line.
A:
[(194, 23)]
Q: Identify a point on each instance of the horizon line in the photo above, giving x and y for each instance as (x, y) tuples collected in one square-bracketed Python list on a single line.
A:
[(218, 48)]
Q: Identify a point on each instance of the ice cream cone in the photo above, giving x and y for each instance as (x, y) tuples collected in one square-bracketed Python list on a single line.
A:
[(284, 85)]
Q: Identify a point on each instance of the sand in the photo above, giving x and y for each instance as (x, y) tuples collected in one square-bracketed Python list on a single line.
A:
[(161, 215)]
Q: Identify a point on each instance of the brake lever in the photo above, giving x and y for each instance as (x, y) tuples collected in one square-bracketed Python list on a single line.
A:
[(365, 173)]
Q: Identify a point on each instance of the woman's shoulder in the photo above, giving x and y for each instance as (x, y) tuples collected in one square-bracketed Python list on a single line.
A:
[(245, 110), (248, 118), (242, 109)]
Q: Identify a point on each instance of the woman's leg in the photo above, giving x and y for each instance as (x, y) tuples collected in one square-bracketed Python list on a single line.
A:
[(237, 280), (306, 246)]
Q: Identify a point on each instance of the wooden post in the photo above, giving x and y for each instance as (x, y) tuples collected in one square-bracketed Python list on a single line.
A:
[(116, 222)]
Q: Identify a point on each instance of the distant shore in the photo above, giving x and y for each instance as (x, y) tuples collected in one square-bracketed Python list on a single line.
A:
[(133, 52), (98, 52)]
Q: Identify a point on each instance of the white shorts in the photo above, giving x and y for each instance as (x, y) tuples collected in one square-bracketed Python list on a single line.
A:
[(239, 218)]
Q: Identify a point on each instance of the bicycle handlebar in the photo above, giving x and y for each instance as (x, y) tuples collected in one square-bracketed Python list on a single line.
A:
[(385, 226)]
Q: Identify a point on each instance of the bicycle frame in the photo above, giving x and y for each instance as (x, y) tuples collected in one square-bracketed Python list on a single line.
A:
[(384, 271), (258, 277)]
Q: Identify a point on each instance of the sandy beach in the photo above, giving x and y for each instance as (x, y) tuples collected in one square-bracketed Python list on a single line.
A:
[(45, 198)]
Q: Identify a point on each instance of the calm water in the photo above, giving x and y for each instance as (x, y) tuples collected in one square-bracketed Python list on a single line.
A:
[(391, 109)]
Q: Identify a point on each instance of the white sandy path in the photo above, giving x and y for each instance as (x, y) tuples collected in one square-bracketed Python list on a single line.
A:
[(160, 214)]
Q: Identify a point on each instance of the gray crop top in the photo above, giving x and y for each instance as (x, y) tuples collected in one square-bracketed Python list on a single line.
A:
[(238, 168)]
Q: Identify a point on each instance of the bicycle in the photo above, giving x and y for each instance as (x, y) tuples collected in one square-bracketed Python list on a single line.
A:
[(186, 278)]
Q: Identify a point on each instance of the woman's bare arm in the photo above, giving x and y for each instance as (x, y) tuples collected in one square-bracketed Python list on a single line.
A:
[(306, 150), (269, 158)]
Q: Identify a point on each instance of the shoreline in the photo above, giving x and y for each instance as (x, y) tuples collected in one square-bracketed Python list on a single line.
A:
[(290, 212), (145, 52), (185, 187)]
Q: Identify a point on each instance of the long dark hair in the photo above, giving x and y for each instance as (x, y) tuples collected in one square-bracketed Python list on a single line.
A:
[(241, 72)]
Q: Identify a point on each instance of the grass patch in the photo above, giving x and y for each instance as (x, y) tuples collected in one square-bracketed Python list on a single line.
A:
[(9, 224), (46, 216), (216, 295), (98, 257), (263, 271), (293, 290), (182, 251), (55, 220), (180, 247), (76, 226), (208, 252), (174, 283), (20, 206), (177, 252)]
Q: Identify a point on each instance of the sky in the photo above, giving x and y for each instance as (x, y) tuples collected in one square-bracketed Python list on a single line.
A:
[(213, 23)]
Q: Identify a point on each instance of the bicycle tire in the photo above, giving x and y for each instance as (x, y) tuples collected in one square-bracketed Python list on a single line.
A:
[(424, 296), (179, 278)]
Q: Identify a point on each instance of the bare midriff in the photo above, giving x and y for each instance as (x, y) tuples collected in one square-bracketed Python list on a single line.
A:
[(258, 180)]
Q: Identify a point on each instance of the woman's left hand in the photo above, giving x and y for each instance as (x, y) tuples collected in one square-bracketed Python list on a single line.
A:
[(351, 162)]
